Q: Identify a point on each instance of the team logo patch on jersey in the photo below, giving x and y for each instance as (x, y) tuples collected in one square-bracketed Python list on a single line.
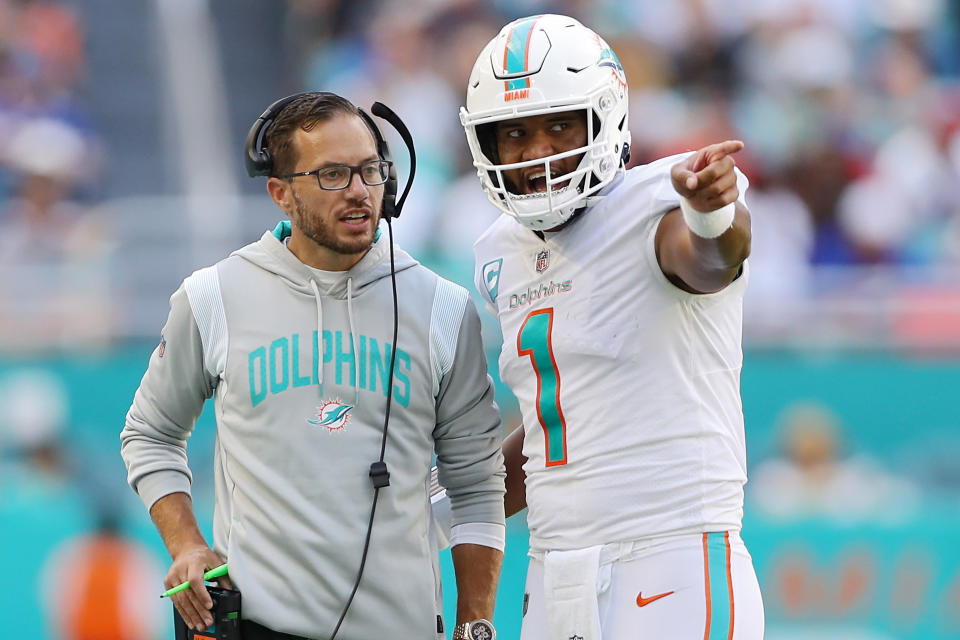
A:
[(543, 261), (332, 415), (491, 277)]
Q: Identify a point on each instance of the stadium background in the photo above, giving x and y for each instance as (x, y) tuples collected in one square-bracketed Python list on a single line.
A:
[(120, 172)]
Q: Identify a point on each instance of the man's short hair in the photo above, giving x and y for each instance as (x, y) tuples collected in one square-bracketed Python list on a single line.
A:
[(303, 113)]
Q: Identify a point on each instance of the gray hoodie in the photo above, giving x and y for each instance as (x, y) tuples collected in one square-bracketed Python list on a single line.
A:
[(299, 420)]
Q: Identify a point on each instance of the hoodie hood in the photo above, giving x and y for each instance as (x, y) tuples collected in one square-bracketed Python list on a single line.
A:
[(271, 254)]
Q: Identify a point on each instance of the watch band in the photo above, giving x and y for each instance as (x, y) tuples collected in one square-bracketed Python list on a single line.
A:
[(475, 630)]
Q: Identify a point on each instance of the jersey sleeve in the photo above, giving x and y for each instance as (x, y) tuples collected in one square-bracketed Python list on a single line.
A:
[(166, 406), (664, 191), (467, 433)]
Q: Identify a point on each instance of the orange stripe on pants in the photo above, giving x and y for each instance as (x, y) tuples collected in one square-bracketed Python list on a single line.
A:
[(706, 586), (726, 542)]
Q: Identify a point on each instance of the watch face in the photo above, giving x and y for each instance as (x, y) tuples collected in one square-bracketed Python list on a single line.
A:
[(481, 630)]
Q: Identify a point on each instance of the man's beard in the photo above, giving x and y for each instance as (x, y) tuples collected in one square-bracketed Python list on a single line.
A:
[(315, 228)]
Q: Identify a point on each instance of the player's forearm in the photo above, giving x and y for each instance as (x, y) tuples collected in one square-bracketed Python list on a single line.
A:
[(174, 518), (702, 265), (516, 497), (726, 252), (478, 572)]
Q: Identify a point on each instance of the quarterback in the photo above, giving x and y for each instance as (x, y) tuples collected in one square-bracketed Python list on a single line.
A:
[(619, 295)]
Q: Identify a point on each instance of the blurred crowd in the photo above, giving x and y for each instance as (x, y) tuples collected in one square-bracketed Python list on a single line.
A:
[(850, 110), (815, 473), (53, 248)]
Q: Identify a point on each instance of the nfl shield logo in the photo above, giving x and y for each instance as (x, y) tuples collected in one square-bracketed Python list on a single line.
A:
[(543, 261)]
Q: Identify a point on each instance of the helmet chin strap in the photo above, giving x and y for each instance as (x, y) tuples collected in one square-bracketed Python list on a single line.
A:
[(590, 201), (540, 194)]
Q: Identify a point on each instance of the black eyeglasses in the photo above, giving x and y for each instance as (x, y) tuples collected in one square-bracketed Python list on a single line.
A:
[(338, 176)]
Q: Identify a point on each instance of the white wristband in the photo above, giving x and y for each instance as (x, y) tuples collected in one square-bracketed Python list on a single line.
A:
[(708, 224)]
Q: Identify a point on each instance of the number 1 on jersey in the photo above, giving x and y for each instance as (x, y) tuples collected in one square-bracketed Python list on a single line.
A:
[(535, 339)]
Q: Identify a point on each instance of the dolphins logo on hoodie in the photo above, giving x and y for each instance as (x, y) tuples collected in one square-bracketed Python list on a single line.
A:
[(332, 415)]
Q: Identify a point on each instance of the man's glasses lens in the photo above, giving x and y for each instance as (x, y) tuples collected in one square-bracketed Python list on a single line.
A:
[(339, 176)]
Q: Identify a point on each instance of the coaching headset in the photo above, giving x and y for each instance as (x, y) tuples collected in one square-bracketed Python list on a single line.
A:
[(259, 162)]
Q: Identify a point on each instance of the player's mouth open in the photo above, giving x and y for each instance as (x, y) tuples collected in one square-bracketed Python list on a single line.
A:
[(537, 183), (356, 217)]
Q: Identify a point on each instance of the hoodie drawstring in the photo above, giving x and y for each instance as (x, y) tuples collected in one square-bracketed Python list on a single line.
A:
[(355, 344), (353, 339), (320, 354)]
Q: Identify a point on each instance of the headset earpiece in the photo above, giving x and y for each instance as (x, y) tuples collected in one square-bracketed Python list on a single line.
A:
[(257, 158), (389, 209)]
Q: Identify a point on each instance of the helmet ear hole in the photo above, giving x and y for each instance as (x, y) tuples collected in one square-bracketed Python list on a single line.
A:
[(487, 137)]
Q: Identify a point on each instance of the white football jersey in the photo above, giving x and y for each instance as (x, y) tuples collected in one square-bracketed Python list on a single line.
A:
[(629, 387)]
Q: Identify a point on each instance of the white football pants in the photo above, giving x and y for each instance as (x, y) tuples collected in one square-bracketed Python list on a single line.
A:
[(689, 587)]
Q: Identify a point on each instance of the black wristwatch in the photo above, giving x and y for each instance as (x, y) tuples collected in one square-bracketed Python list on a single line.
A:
[(475, 630)]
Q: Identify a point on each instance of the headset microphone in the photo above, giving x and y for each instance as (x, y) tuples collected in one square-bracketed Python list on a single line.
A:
[(383, 111)]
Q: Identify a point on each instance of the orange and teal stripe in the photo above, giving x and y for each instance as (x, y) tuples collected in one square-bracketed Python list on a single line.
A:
[(517, 52), (718, 586), (535, 339)]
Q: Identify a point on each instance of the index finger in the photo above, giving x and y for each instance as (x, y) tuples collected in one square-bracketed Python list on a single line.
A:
[(722, 149), (198, 589)]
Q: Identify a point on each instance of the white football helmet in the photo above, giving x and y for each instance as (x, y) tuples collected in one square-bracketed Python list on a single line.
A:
[(547, 64)]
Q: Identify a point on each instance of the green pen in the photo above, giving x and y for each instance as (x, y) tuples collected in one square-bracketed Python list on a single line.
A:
[(209, 575)]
